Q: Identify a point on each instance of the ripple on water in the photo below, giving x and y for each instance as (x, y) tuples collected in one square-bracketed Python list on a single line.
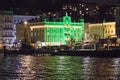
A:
[(33, 67)]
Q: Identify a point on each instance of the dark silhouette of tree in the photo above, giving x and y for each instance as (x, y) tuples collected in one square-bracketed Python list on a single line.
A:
[(26, 42)]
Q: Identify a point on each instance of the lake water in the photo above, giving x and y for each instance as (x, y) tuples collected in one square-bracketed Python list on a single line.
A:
[(39, 67)]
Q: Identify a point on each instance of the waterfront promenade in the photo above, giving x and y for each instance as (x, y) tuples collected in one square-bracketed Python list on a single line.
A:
[(91, 53)]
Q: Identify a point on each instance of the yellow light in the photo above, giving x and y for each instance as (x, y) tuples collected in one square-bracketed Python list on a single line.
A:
[(25, 22)]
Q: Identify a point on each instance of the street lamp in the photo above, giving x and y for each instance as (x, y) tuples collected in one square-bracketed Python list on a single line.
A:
[(25, 22)]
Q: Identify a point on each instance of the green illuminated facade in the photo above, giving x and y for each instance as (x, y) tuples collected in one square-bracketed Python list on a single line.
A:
[(63, 32)]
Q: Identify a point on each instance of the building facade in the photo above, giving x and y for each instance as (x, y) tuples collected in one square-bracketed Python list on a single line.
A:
[(102, 30), (64, 32), (58, 32), (8, 30), (8, 27)]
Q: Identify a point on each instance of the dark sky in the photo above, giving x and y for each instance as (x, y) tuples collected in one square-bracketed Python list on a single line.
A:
[(103, 2), (45, 4)]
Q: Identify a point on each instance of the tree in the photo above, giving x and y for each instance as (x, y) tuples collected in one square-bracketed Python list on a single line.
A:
[(26, 42)]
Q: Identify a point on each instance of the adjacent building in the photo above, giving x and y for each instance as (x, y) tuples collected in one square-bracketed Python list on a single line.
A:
[(34, 29), (102, 30), (8, 23)]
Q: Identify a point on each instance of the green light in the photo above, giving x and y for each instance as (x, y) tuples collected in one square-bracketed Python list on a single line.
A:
[(7, 12), (64, 31)]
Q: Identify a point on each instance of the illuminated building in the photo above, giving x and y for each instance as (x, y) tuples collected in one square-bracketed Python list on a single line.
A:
[(8, 23), (103, 34), (37, 32), (102, 30), (65, 31), (58, 32)]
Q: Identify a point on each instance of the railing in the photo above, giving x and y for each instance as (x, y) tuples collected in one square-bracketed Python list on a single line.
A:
[(86, 49)]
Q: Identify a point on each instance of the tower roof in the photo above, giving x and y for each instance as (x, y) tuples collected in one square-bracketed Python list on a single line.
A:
[(81, 19)]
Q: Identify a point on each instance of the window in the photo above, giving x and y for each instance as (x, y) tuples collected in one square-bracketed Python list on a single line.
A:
[(86, 9), (82, 5), (38, 34), (18, 20), (31, 33), (34, 33), (48, 34), (10, 40), (41, 28)]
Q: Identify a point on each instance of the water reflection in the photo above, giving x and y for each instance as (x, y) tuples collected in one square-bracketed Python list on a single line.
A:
[(59, 67), (17, 67), (39, 67), (117, 68), (101, 68)]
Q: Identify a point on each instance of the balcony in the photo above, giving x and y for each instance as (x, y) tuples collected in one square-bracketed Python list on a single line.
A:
[(8, 36), (8, 28)]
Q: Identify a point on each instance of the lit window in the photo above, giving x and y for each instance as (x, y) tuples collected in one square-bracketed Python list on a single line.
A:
[(86, 9), (48, 33), (64, 8), (38, 34), (70, 13), (35, 34), (49, 13), (70, 7), (97, 7), (75, 9), (86, 12), (82, 14), (82, 5)]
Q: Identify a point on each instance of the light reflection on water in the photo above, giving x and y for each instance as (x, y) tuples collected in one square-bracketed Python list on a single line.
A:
[(100, 69), (38, 67)]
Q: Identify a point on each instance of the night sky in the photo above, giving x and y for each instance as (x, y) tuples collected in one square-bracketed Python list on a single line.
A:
[(103, 2), (45, 4)]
